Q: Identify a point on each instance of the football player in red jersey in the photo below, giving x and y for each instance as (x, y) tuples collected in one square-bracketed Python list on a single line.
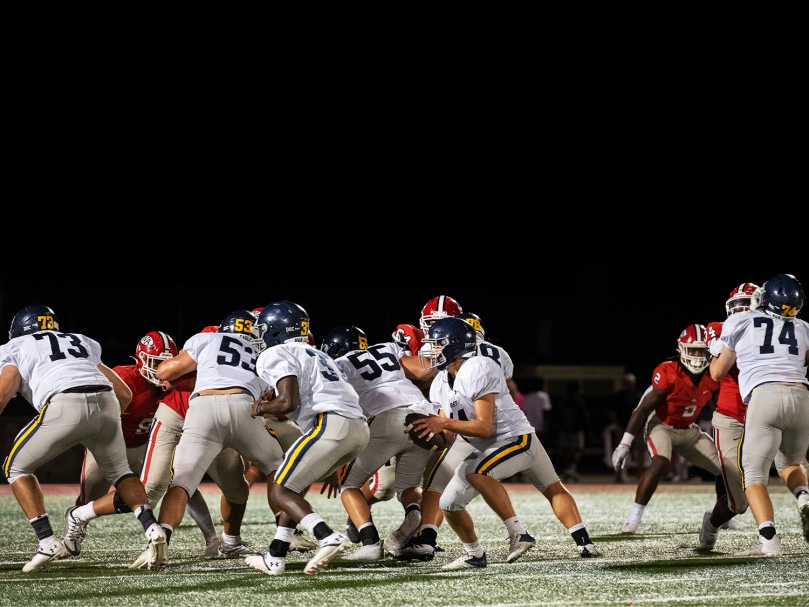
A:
[(669, 410)]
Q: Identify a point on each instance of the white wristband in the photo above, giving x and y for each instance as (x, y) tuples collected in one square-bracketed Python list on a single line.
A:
[(627, 439)]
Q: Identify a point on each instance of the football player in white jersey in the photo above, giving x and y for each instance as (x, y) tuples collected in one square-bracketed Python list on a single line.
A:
[(441, 466), (310, 388), (381, 374), (79, 400), (481, 410), (219, 415), (770, 347)]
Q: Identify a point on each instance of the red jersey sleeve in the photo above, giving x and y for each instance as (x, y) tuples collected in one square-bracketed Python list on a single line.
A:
[(136, 421)]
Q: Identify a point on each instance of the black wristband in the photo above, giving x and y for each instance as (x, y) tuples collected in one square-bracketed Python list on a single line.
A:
[(260, 409)]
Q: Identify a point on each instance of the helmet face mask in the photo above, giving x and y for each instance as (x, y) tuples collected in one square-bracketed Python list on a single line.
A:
[(152, 349), (439, 307), (781, 296), (693, 348), (741, 298), (344, 339), (448, 340), (280, 322), (31, 319)]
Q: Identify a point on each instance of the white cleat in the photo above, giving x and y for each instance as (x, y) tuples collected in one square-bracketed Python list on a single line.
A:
[(271, 565), (330, 547), (588, 551), (300, 543), (803, 510), (764, 547), (708, 533), (75, 530), (519, 544), (155, 557), (54, 551), (630, 527), (368, 552)]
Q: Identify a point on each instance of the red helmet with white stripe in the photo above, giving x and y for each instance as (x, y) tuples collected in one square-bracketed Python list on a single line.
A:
[(152, 349), (740, 297), (442, 306), (693, 348)]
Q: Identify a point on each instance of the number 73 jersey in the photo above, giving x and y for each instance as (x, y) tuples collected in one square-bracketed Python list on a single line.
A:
[(684, 400)]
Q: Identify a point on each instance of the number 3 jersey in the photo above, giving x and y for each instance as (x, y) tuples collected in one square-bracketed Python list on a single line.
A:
[(322, 385), (50, 362), (768, 348), (224, 360), (380, 381), (683, 400), (477, 377)]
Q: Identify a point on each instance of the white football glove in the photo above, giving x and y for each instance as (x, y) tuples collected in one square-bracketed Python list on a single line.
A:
[(619, 456), (715, 347)]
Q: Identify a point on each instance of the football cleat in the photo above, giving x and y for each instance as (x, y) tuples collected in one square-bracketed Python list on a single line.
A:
[(235, 551), (416, 552), (300, 543), (519, 544), (75, 531), (351, 531), (271, 565), (733, 523), (330, 547), (764, 547), (368, 552), (467, 561), (803, 510), (155, 557), (630, 527), (708, 533), (54, 551), (588, 551), (402, 535)]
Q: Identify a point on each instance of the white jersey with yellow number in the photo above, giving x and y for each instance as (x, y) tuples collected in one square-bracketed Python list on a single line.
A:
[(323, 386)]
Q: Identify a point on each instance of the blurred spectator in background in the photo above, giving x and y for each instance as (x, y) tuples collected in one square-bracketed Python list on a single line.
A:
[(572, 424), (536, 405), (514, 390), (623, 404)]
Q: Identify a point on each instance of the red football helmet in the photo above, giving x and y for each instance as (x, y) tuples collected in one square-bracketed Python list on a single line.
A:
[(740, 297), (210, 329), (442, 306), (693, 348), (152, 349)]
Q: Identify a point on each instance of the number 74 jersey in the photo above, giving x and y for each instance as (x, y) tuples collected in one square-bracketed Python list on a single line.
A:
[(768, 348)]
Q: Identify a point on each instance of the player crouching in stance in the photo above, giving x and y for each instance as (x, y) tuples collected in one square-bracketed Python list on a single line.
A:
[(480, 408)]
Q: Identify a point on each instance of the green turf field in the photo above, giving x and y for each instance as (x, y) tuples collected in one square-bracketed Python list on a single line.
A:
[(660, 566)]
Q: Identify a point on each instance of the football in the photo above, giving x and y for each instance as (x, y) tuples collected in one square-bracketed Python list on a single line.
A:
[(429, 442)]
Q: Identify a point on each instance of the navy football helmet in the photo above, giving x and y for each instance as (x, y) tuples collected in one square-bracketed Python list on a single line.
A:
[(282, 321), (449, 339), (474, 320), (343, 339), (781, 295), (31, 319), (242, 322)]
